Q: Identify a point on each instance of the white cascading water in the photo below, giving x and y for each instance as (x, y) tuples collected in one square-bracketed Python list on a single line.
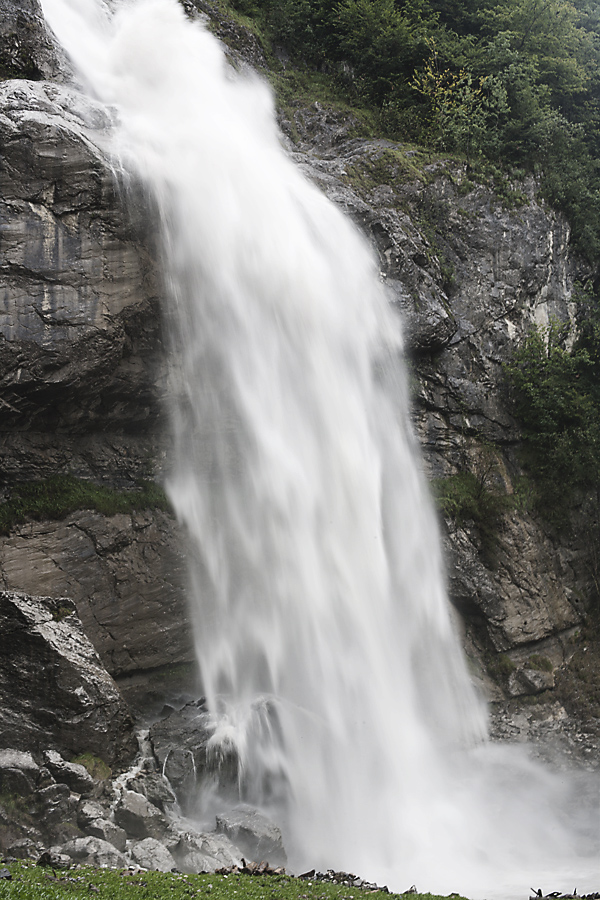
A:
[(324, 637)]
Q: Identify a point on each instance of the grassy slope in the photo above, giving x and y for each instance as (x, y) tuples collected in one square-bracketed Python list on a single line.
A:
[(30, 882)]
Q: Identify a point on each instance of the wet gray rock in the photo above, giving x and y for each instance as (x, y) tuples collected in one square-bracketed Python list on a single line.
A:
[(196, 852), (256, 835), (27, 48), (79, 330), (93, 851), (19, 773), (74, 775), (151, 854), (139, 817), (156, 789), (179, 743), (93, 820), (55, 690)]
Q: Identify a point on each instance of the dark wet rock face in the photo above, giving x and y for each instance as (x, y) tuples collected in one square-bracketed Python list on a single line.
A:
[(54, 688), (80, 316), (253, 833), (27, 48)]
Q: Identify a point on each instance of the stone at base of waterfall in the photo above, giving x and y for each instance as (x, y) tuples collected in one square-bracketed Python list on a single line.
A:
[(93, 851), (139, 817), (155, 789), (255, 834), (92, 819), (151, 854), (196, 852), (74, 775)]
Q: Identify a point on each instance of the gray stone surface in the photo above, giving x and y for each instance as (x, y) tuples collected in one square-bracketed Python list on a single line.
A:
[(19, 773), (197, 852), (179, 743), (256, 835), (139, 817), (75, 776), (125, 574), (27, 48), (94, 851), (79, 339), (151, 854), (54, 689)]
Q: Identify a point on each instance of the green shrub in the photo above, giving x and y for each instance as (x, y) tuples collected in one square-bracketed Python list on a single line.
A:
[(555, 392), (500, 667), (467, 498), (541, 663)]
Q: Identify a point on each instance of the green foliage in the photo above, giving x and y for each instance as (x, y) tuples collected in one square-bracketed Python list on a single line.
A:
[(461, 107), (94, 765), (31, 882), (469, 498), (57, 497), (555, 392), (500, 667), (511, 82), (540, 663)]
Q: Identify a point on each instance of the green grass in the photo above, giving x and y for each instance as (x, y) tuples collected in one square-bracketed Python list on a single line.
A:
[(57, 497), (31, 882)]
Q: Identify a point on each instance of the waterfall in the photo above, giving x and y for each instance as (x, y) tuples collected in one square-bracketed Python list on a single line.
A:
[(324, 637)]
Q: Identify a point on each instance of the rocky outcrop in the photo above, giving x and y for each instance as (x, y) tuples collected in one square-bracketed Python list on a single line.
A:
[(82, 375), (55, 691), (27, 48), (79, 331), (470, 275), (125, 574)]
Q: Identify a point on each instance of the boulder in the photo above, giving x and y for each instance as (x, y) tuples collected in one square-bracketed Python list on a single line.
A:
[(151, 854), (198, 852), (55, 690), (54, 858), (93, 851), (57, 806), (156, 789), (93, 819), (19, 773), (179, 743), (139, 817), (256, 835), (75, 776)]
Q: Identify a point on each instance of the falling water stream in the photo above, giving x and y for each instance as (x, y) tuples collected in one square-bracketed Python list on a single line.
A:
[(327, 652)]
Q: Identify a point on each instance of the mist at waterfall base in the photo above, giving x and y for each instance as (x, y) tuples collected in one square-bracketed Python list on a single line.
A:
[(324, 637)]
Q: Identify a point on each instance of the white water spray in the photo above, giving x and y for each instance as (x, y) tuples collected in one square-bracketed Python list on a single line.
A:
[(323, 633)]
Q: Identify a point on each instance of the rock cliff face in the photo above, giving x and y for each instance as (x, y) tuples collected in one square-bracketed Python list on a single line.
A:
[(82, 367), (470, 277), (81, 359)]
